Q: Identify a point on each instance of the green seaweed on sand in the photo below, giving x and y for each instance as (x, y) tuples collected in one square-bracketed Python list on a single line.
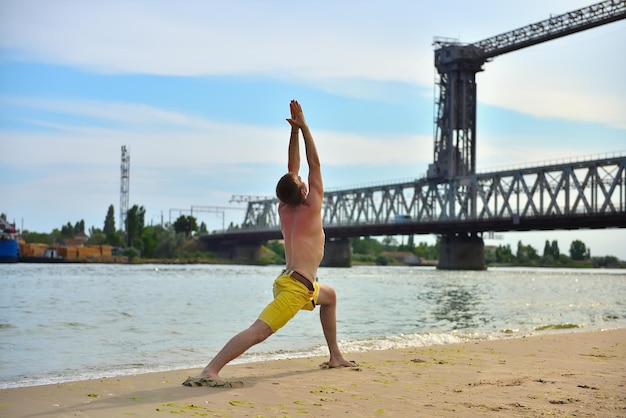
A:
[(241, 403), (179, 409)]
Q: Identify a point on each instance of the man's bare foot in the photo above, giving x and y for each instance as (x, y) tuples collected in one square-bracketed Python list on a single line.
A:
[(213, 383), (333, 364), (212, 376)]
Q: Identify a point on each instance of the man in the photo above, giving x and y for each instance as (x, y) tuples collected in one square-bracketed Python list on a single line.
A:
[(300, 212)]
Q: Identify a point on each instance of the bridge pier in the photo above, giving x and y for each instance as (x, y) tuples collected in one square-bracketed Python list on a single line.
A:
[(461, 251), (250, 252), (337, 253)]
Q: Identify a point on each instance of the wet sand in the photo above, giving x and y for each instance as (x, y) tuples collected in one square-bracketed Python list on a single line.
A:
[(579, 374)]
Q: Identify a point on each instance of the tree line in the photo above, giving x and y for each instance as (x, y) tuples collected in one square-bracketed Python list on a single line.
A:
[(369, 250), (138, 240)]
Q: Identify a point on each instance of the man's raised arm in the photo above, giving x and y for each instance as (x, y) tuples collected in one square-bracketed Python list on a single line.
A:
[(312, 157), (293, 158)]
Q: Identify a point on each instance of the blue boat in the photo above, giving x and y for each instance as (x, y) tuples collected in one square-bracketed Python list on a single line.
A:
[(9, 245)]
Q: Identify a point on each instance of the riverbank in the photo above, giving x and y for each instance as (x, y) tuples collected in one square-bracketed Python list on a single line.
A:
[(199, 260), (565, 374)]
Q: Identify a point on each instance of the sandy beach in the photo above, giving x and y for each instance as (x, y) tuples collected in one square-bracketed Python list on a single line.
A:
[(571, 374)]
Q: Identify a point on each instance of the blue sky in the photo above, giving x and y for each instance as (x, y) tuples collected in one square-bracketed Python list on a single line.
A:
[(199, 91)]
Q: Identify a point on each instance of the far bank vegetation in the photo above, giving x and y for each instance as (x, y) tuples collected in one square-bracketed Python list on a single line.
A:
[(178, 242)]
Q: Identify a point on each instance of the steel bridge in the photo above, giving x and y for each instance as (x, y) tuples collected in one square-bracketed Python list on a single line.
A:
[(564, 195), (452, 198)]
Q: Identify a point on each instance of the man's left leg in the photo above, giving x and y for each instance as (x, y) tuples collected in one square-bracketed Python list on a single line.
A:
[(259, 331)]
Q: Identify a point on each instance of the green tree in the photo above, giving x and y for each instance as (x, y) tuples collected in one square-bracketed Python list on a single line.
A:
[(203, 229), (109, 221), (556, 253), (56, 235), (381, 260), (115, 239), (131, 253), (525, 253), (579, 251), (67, 231), (134, 226), (390, 243), (606, 261), (36, 237), (112, 237), (366, 245), (96, 236), (429, 252), (409, 246), (150, 240), (185, 225), (79, 226), (551, 253), (169, 243), (504, 254), (278, 247)]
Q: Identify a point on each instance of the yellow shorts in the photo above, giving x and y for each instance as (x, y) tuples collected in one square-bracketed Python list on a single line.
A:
[(290, 296)]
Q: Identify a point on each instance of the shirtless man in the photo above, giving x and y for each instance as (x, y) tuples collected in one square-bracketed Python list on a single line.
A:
[(300, 213)]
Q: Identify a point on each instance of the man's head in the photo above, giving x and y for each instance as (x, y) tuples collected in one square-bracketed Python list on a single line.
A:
[(291, 190)]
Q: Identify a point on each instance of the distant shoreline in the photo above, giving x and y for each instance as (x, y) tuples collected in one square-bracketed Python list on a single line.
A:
[(178, 261)]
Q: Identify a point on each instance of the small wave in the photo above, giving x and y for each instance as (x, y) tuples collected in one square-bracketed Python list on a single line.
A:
[(318, 350), (401, 341), (556, 327)]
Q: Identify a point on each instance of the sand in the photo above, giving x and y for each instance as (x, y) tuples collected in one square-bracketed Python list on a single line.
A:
[(578, 374)]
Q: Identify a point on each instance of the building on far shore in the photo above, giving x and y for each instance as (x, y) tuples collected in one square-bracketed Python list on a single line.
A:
[(67, 250)]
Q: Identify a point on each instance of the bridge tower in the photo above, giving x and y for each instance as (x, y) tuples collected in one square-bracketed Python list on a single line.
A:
[(455, 123), (455, 147), (124, 187)]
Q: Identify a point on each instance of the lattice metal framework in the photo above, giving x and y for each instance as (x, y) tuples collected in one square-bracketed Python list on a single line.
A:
[(554, 27), (457, 65), (124, 187), (596, 187)]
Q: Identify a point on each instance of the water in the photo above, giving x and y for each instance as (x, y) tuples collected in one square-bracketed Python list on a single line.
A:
[(67, 322)]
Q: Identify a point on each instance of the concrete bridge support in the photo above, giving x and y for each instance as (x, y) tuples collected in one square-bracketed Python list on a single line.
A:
[(461, 251), (249, 252), (337, 253)]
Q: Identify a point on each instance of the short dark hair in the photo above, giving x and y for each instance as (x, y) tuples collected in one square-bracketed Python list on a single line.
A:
[(288, 190)]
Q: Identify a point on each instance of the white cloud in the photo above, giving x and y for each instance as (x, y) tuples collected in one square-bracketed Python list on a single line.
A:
[(170, 139), (204, 38), (519, 152), (375, 40), (578, 78)]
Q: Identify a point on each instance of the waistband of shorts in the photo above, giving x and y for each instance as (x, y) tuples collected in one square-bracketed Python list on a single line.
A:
[(300, 278)]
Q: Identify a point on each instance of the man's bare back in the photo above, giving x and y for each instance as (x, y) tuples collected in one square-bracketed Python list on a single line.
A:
[(301, 224), (304, 238)]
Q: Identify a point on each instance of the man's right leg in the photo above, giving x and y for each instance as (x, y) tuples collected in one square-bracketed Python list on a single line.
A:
[(259, 331), (327, 300)]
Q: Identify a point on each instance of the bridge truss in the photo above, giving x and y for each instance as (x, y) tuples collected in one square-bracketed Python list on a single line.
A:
[(453, 198), (571, 195)]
